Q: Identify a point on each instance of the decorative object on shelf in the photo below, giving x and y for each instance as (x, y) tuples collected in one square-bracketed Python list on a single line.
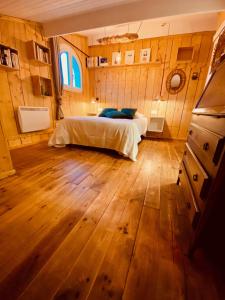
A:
[(145, 55), (219, 51), (103, 61), (9, 58), (185, 54), (92, 62), (42, 86), (38, 53), (175, 81), (122, 38), (116, 58), (129, 57)]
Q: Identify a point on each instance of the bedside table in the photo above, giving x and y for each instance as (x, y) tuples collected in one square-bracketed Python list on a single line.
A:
[(156, 124)]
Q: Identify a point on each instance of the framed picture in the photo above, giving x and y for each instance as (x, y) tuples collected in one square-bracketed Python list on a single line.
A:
[(129, 57), (116, 58), (145, 55), (103, 61)]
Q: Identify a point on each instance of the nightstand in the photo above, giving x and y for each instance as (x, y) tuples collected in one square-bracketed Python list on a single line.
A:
[(156, 124)]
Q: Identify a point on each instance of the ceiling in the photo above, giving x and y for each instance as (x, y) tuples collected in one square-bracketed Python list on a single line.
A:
[(157, 27), (47, 10), (68, 16)]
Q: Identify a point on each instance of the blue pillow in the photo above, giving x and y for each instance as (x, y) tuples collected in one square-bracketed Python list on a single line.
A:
[(106, 110), (117, 115), (129, 111)]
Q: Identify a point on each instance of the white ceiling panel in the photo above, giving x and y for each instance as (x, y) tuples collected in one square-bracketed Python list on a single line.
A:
[(47, 10)]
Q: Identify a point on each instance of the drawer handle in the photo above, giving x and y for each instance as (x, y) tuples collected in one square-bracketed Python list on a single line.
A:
[(190, 131), (195, 177), (206, 146)]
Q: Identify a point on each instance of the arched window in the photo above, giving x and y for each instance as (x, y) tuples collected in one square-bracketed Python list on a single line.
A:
[(71, 68)]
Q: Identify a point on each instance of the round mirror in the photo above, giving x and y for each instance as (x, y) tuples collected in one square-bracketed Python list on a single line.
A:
[(175, 81)]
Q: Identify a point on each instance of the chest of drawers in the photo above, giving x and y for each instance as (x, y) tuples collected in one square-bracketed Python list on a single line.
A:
[(202, 178), (202, 171)]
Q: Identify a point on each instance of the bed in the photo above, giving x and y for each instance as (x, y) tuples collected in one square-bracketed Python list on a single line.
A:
[(122, 135)]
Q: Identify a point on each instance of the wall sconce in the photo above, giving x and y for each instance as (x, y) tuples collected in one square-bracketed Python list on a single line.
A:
[(195, 76), (94, 100)]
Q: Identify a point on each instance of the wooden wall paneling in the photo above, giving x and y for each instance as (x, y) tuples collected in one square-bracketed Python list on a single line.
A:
[(6, 167), (138, 86), (142, 88), (137, 48), (135, 87), (154, 49)]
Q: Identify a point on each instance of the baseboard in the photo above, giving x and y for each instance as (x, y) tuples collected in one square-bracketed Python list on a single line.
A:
[(7, 173)]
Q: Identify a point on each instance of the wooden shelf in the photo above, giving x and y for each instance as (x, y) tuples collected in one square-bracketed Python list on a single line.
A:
[(9, 59), (154, 64), (38, 53), (42, 86)]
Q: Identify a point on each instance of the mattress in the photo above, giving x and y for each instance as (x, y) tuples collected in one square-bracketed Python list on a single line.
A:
[(122, 135)]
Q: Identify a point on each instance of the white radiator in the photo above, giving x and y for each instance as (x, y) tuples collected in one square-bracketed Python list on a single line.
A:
[(33, 118)]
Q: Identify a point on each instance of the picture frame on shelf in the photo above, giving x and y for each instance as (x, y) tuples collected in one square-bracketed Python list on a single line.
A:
[(145, 55), (116, 58), (129, 57), (103, 61)]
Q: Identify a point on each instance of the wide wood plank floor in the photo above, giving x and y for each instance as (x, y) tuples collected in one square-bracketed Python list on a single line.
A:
[(76, 223)]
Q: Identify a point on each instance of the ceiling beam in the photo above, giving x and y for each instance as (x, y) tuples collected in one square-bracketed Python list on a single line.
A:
[(136, 11)]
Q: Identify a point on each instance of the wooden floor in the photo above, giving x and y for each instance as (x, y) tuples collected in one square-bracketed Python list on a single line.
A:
[(76, 223)]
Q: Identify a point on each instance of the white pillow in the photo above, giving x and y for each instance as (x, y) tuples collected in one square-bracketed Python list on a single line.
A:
[(138, 115)]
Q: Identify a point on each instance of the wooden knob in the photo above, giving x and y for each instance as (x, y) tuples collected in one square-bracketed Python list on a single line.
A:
[(195, 177), (188, 205), (206, 146)]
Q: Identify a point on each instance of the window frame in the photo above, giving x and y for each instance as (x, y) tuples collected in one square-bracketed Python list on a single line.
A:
[(71, 53)]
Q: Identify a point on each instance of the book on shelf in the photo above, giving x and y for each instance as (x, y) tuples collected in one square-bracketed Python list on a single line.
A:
[(92, 62), (42, 54), (9, 58), (14, 60)]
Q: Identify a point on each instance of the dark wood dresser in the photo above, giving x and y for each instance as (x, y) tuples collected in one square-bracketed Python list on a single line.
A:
[(202, 170)]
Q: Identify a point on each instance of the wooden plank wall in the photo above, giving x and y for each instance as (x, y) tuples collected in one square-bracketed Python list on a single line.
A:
[(76, 103), (16, 87), (137, 85), (6, 167)]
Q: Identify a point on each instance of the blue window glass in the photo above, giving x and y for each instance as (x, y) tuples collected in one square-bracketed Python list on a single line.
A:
[(64, 57), (76, 73)]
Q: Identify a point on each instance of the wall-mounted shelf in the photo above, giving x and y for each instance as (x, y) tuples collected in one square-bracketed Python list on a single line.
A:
[(42, 86), (38, 53), (153, 64), (185, 54), (156, 124), (9, 59)]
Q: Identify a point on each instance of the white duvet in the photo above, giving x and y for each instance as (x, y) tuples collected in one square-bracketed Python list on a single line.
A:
[(122, 135)]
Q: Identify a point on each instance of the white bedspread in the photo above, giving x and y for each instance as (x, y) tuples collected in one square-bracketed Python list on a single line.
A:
[(121, 135)]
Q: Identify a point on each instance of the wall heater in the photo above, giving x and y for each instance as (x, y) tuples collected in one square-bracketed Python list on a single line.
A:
[(33, 118)]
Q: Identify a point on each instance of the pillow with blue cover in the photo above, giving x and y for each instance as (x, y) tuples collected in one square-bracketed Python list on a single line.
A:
[(129, 112), (117, 115), (105, 111)]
